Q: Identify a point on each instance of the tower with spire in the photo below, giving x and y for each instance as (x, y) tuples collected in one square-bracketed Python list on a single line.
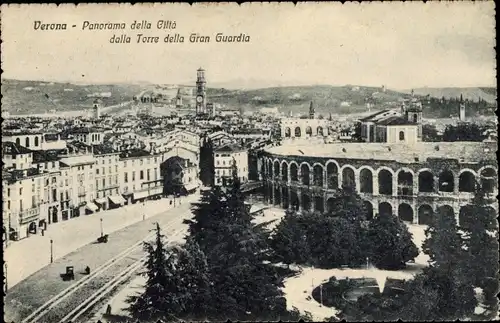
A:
[(178, 99), (311, 111), (462, 108)]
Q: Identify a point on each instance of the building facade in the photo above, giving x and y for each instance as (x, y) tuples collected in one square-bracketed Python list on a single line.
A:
[(224, 158), (410, 181)]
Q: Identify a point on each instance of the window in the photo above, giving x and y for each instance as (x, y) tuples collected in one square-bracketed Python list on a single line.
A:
[(62, 196), (401, 135), (103, 170), (103, 182), (8, 205), (116, 168), (141, 176), (97, 171), (133, 176), (21, 191), (415, 118), (126, 177), (27, 142), (148, 174)]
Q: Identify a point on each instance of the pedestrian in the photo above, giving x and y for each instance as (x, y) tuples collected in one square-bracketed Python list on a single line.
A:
[(108, 310)]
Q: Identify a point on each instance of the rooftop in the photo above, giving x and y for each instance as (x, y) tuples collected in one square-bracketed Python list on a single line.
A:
[(395, 121), (405, 153), (10, 148), (229, 148)]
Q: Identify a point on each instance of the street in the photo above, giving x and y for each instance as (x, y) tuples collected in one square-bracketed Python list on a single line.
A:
[(45, 295), (25, 257)]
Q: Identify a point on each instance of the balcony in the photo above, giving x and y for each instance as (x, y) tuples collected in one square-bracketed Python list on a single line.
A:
[(29, 215)]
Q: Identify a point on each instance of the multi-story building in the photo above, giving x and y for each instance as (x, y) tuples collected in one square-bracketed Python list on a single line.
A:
[(23, 196), (79, 164), (140, 175), (224, 158), (107, 174)]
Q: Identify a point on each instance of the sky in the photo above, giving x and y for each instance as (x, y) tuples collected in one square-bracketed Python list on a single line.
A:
[(399, 45)]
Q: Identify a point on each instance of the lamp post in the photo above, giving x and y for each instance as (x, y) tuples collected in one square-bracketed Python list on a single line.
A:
[(51, 251), (102, 232)]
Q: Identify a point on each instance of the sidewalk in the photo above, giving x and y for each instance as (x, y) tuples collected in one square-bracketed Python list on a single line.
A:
[(41, 286), (27, 256)]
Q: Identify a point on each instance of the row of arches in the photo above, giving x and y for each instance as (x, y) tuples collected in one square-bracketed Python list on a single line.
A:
[(382, 181), (423, 214), (297, 132), (27, 142)]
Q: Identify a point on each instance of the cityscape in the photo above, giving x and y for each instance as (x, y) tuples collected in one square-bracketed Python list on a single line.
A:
[(192, 201)]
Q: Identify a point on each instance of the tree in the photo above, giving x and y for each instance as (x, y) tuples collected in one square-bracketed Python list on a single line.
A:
[(443, 243), (429, 133), (464, 132), (207, 167), (289, 241), (159, 299), (481, 230), (390, 242), (347, 204), (244, 287)]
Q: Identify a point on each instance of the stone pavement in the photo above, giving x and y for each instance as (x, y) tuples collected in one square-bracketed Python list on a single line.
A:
[(26, 256)]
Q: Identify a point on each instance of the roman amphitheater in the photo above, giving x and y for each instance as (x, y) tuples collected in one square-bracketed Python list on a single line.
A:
[(410, 181)]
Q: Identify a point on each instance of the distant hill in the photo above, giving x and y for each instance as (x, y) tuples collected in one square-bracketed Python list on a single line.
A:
[(24, 97), (489, 94)]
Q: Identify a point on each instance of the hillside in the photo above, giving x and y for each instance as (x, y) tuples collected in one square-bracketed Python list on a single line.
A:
[(25, 97), (327, 99), (489, 94)]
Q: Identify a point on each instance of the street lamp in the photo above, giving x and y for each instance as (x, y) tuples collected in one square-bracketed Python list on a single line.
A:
[(102, 233), (51, 251)]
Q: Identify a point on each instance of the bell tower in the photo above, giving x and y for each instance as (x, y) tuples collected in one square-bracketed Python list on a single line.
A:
[(201, 95), (462, 108), (97, 109), (414, 112)]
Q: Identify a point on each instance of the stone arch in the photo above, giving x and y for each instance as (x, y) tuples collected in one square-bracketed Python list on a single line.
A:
[(319, 131), (298, 132), (306, 202), (309, 131), (305, 173), (405, 212), (488, 177), (294, 172), (366, 180), (464, 216), (18, 141), (425, 214), (369, 209), (405, 182), (318, 173), (288, 132), (425, 181), (277, 195), (385, 208), (348, 176), (330, 203), (446, 181), (332, 174), (294, 201), (284, 171), (446, 210), (467, 181), (385, 177), (276, 168), (319, 204), (284, 197), (270, 168), (37, 142)]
